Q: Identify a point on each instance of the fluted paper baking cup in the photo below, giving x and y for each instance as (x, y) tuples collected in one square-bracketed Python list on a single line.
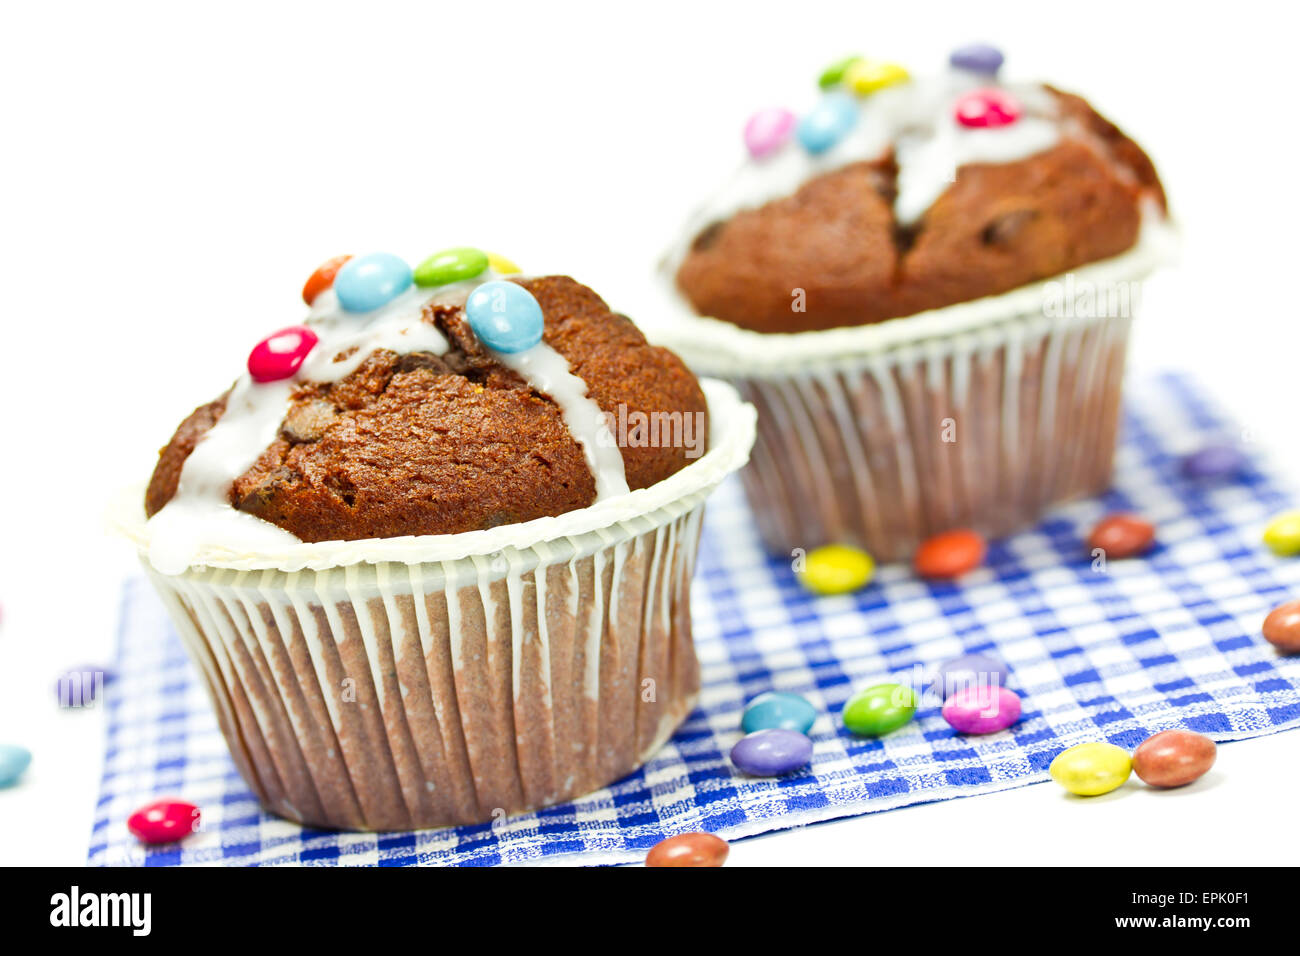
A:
[(462, 680), (979, 415)]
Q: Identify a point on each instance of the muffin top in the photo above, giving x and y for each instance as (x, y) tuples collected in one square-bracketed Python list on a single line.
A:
[(446, 400), (895, 195)]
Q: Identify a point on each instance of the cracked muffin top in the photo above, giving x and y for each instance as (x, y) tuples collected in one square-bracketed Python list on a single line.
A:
[(445, 399), (893, 196)]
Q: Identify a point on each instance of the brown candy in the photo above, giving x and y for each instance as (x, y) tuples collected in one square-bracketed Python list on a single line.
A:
[(689, 849), (1282, 627), (1122, 536), (1173, 758)]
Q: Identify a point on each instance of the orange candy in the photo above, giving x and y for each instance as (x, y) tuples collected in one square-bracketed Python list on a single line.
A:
[(688, 849), (950, 554), (1122, 536), (322, 278)]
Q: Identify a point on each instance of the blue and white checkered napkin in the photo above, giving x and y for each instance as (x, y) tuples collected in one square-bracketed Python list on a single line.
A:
[(1171, 640)]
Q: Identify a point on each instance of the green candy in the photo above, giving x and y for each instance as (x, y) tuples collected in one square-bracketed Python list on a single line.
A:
[(878, 710), (451, 265), (833, 74)]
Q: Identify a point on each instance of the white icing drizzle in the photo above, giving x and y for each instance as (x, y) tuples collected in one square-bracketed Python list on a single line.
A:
[(548, 371), (200, 516), (915, 118)]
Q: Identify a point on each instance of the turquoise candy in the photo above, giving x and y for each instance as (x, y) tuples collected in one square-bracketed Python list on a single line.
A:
[(13, 761), (505, 316), (451, 265), (369, 282), (779, 711), (828, 122)]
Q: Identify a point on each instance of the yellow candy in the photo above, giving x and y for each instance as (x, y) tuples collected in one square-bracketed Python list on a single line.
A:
[(1283, 534), (865, 77), (836, 569), (1091, 769), (501, 265)]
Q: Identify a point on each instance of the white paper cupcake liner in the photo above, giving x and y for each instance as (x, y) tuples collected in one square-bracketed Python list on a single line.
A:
[(980, 415), (387, 694)]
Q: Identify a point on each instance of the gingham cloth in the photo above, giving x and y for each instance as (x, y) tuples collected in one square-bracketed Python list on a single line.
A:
[(1169, 640)]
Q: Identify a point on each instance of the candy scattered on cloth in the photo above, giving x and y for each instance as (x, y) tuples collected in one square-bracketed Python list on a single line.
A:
[(1170, 639)]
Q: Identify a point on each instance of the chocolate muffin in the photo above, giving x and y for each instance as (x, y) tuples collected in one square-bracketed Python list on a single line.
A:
[(421, 443), (925, 286), (859, 259), (432, 553)]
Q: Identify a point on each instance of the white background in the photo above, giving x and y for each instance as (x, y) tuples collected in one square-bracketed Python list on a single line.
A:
[(169, 177)]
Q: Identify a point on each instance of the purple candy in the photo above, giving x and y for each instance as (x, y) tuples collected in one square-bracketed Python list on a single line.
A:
[(977, 58), (1214, 461), (982, 709), (770, 753), (969, 670), (79, 686)]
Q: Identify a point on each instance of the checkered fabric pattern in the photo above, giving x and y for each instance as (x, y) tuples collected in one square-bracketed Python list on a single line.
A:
[(1169, 640)]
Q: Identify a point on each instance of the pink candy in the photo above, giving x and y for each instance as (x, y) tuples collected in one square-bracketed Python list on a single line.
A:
[(163, 821), (280, 354), (982, 709), (768, 130), (987, 108)]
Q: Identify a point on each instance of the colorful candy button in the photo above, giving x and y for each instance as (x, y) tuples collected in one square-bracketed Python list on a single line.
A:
[(505, 316), (828, 122), (977, 58), (689, 849), (833, 75), (950, 554), (451, 265), (836, 569), (970, 670), (1173, 758), (982, 709), (1091, 769), (879, 710), (770, 753), (79, 686), (778, 711), (768, 130), (1122, 536), (281, 354), (987, 109), (867, 76), (322, 278), (1283, 534), (1282, 627), (1214, 461), (163, 821), (368, 282), (501, 265), (13, 761)]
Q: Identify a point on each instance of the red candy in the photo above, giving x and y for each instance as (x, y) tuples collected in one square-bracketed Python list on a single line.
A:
[(163, 821), (281, 354), (322, 278), (689, 849), (987, 108), (949, 554), (1122, 536)]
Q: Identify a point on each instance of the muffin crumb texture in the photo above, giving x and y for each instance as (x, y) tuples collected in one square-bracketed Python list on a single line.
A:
[(424, 444)]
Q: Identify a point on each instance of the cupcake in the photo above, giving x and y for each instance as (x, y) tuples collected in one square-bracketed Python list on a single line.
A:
[(431, 552), (926, 287)]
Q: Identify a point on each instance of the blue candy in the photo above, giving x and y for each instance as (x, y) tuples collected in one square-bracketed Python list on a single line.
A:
[(783, 711), (1214, 461), (828, 122), (504, 316), (13, 761), (977, 58), (368, 282)]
